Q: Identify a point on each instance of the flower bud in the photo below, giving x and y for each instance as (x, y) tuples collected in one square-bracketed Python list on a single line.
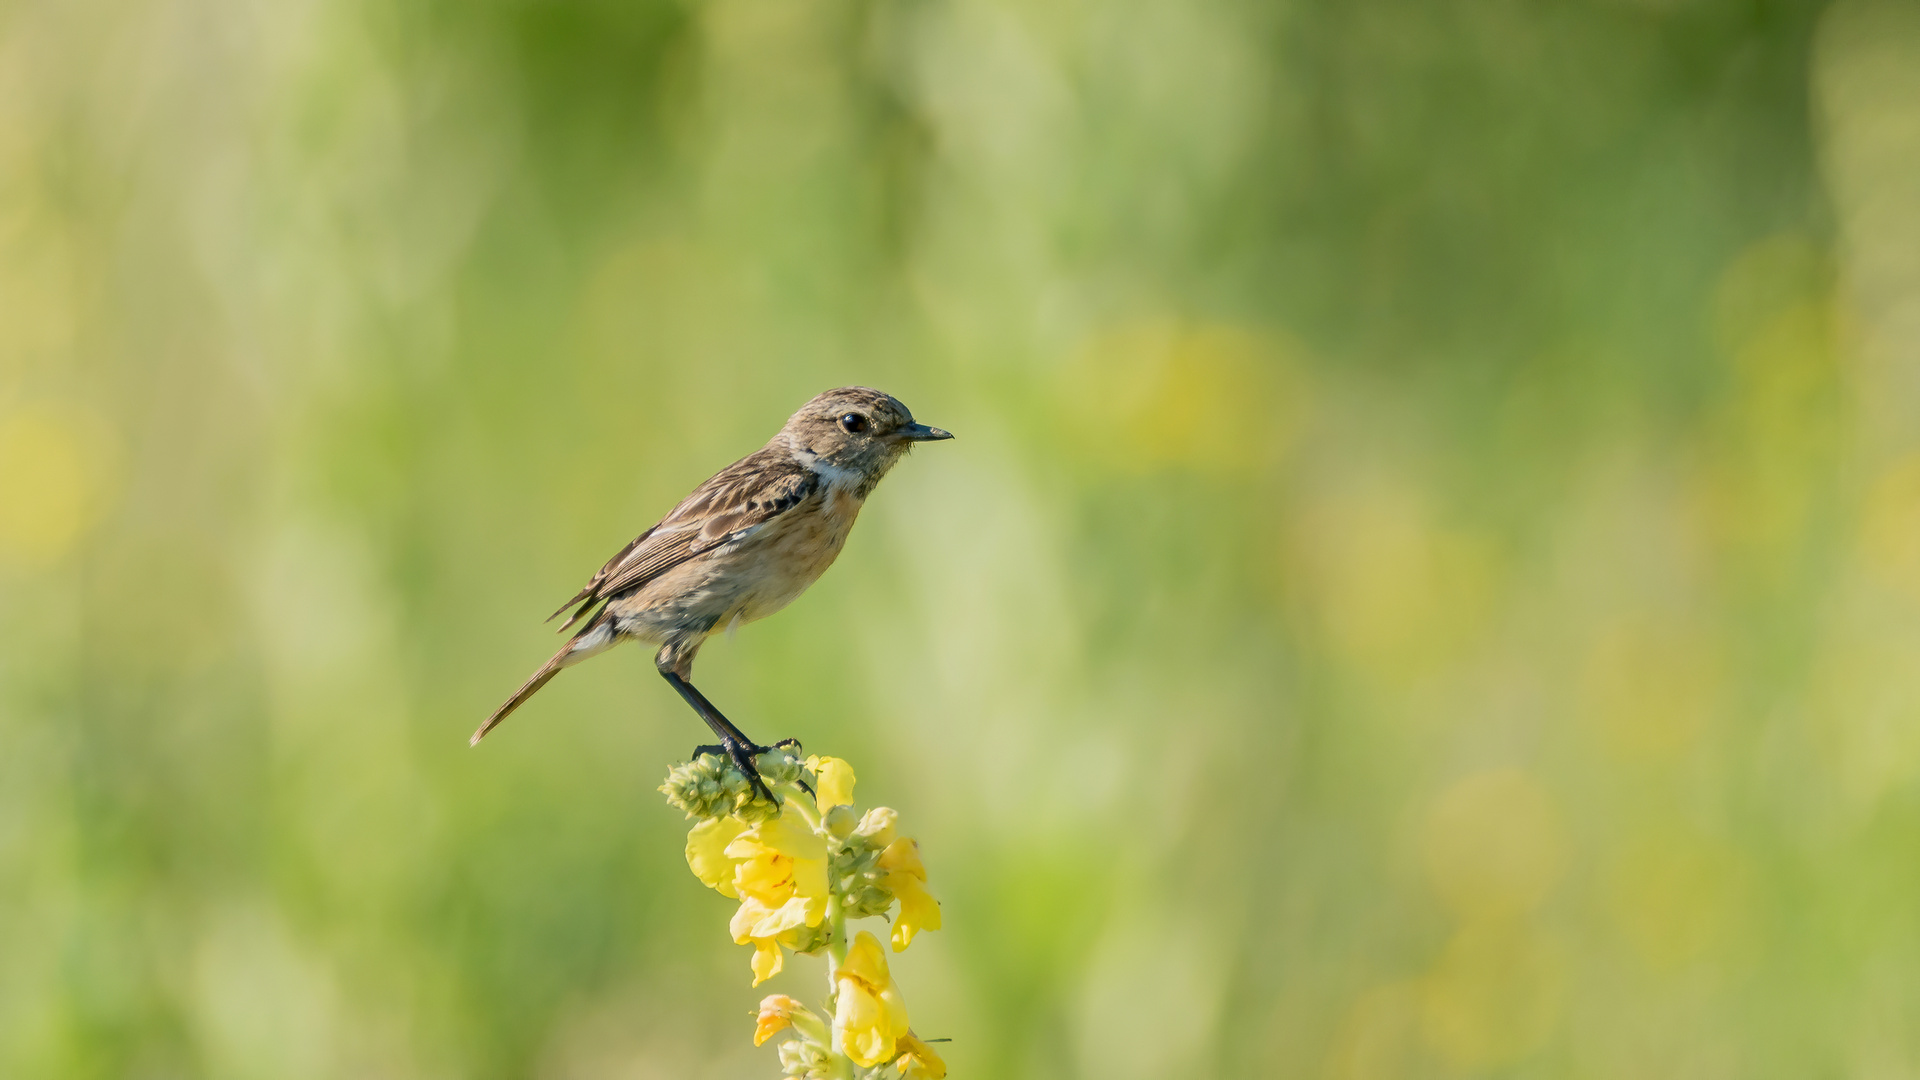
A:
[(808, 939), (857, 879), (877, 827), (840, 822), (780, 765), (710, 786), (866, 899), (804, 1060)]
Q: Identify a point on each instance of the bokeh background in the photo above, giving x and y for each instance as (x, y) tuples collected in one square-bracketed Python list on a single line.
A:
[(1427, 585)]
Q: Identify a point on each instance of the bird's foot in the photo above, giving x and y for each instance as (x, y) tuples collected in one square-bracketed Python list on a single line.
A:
[(751, 765), (793, 746), (744, 756)]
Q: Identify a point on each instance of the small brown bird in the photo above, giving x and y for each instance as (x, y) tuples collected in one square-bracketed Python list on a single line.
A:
[(741, 547)]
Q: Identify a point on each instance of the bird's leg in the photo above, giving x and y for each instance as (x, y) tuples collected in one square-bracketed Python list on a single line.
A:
[(719, 723), (733, 742)]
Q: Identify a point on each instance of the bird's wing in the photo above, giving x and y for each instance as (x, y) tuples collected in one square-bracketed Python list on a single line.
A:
[(735, 502)]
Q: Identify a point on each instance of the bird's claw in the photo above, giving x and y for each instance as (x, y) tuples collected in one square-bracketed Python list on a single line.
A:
[(794, 746), (750, 766), (743, 756)]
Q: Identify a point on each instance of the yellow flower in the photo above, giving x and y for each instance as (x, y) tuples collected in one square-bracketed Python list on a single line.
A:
[(782, 864), (835, 782), (917, 1061), (869, 1018), (779, 872), (767, 957), (707, 852), (779, 1012), (754, 917), (906, 879), (776, 1014)]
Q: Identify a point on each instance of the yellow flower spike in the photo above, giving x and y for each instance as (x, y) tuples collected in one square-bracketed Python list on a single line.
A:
[(706, 853), (799, 876), (906, 878), (834, 782), (869, 1016), (917, 1061)]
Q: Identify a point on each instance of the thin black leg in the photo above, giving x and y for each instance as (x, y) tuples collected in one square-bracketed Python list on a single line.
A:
[(721, 726), (739, 749)]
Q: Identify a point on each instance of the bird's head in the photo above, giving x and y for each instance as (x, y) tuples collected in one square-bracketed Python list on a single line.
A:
[(858, 429)]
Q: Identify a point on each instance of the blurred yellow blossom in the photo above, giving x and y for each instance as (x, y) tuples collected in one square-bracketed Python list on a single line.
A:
[(1651, 685), (870, 1017), (1396, 591), (1153, 393), (54, 470), (1676, 896), (1890, 526), (1492, 844), (1494, 995)]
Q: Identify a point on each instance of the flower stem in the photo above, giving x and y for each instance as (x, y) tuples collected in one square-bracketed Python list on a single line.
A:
[(836, 942)]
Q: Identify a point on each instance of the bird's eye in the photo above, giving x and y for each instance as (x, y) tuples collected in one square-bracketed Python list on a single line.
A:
[(854, 422)]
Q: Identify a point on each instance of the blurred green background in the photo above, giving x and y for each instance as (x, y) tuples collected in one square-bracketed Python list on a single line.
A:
[(1427, 585)]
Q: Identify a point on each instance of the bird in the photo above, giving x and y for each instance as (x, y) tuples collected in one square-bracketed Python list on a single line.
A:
[(743, 545)]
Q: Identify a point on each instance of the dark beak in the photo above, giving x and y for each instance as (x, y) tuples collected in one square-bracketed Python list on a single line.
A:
[(923, 433)]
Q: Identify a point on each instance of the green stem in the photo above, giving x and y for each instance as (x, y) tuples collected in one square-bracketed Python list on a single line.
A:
[(836, 945)]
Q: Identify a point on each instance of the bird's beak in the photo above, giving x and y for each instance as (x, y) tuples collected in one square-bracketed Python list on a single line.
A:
[(923, 433)]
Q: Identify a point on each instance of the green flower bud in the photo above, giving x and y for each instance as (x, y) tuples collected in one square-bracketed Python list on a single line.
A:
[(781, 764), (855, 874), (866, 900), (878, 826), (805, 1060), (840, 822), (810, 939), (710, 786)]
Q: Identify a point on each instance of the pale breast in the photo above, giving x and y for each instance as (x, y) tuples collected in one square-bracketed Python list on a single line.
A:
[(797, 548), (746, 580)]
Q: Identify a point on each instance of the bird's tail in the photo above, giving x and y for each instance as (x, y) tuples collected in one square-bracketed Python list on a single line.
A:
[(540, 678)]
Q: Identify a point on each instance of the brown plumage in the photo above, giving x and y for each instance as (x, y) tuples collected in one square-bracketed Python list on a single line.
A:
[(739, 548)]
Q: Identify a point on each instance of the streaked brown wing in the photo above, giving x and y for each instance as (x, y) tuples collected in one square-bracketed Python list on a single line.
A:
[(735, 501)]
